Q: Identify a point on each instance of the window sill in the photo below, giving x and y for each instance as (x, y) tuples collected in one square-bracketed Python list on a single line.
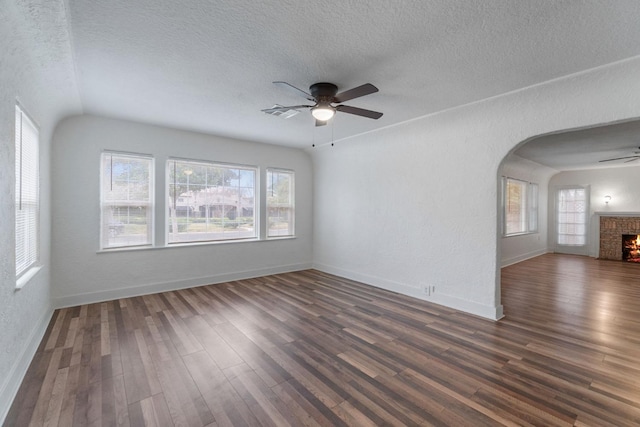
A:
[(192, 244), (22, 281), (208, 242), (527, 233), (280, 237)]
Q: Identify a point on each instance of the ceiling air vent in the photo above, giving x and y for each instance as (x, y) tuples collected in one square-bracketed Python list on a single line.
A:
[(285, 114)]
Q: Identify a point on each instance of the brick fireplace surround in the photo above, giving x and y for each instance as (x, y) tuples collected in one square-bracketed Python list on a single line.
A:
[(611, 230)]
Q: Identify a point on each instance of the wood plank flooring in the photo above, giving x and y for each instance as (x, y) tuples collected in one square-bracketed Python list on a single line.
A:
[(311, 349)]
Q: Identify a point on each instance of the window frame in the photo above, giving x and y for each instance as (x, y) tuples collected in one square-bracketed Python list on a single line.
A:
[(31, 243), (291, 203), (150, 204), (529, 207), (208, 163), (579, 247)]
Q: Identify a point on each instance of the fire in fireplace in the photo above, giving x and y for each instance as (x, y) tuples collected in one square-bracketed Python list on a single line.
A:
[(631, 247)]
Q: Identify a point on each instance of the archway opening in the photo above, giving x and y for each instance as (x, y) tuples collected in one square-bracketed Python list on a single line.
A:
[(553, 188)]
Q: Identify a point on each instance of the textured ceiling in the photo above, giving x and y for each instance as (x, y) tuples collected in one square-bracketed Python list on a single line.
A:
[(208, 65), (583, 149)]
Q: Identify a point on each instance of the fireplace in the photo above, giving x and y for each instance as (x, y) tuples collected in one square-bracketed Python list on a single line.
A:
[(612, 226), (631, 247)]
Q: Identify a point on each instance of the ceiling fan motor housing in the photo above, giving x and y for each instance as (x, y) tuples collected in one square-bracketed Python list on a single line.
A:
[(323, 92)]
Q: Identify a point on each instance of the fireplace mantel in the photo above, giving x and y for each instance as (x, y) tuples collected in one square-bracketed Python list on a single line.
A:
[(608, 213)]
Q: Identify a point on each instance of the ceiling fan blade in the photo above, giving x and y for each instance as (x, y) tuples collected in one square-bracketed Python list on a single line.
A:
[(632, 160), (618, 158), (293, 107), (295, 90), (359, 111), (356, 92), (320, 123)]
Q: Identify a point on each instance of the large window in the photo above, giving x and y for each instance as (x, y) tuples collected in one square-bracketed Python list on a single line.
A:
[(126, 200), (520, 201), (210, 202), (27, 199), (571, 216), (280, 207)]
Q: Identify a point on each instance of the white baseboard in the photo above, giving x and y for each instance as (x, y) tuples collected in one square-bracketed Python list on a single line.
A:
[(152, 288), (9, 388), (523, 257), (488, 312)]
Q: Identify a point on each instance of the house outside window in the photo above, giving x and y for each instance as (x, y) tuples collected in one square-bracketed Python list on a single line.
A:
[(210, 201), (280, 203), (126, 200)]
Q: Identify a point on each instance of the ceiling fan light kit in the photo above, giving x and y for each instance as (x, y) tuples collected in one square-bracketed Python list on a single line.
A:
[(323, 112), (324, 95)]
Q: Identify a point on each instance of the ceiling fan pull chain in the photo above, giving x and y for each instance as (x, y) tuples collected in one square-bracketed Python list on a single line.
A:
[(333, 124)]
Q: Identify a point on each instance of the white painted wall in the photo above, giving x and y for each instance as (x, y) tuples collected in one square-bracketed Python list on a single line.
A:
[(518, 248), (416, 204), (81, 274), (619, 183), (401, 208), (36, 68)]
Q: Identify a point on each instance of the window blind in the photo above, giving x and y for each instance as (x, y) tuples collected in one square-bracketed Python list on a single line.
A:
[(572, 216), (533, 207), (27, 203), (520, 207), (516, 206)]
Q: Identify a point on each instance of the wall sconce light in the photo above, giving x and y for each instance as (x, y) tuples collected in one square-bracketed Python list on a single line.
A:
[(607, 199)]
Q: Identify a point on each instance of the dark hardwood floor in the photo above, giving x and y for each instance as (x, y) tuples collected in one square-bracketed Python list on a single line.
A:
[(311, 349)]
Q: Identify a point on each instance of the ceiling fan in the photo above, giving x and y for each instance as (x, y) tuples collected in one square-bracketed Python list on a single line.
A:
[(636, 156), (326, 94)]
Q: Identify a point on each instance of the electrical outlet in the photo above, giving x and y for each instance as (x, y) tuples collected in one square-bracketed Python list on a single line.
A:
[(428, 290)]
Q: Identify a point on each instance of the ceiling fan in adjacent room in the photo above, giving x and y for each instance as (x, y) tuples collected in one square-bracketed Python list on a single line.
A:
[(627, 159), (325, 95)]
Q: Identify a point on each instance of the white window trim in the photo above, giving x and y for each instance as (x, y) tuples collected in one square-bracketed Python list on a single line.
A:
[(152, 201), (256, 208), (574, 249), (160, 237), (293, 204), (24, 276)]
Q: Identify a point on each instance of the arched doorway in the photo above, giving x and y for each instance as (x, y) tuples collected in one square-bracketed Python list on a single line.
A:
[(591, 164)]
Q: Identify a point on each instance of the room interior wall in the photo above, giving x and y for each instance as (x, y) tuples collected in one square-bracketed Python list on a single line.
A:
[(36, 70), (619, 183), (414, 206), (406, 207), (518, 248), (82, 273)]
